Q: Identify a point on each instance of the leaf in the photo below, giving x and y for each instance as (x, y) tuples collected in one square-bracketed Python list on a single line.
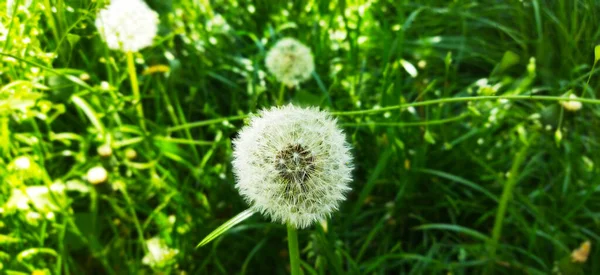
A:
[(456, 228), (73, 39), (597, 53), (226, 226), (508, 60)]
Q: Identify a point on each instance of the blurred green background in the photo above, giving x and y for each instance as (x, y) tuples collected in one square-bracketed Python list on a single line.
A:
[(428, 181)]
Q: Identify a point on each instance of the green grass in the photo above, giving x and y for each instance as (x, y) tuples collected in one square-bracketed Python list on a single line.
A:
[(449, 177)]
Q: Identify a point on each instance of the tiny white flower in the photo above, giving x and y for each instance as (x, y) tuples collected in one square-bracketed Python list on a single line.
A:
[(104, 150), (97, 175), (159, 254), (22, 163), (10, 5), (127, 25), (44, 199), (292, 164), (290, 61), (572, 106)]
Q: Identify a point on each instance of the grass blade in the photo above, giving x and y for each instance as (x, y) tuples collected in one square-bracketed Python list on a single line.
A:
[(226, 226)]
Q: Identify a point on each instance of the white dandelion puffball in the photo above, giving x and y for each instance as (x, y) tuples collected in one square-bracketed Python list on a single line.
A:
[(127, 25), (292, 164), (290, 61), (572, 106)]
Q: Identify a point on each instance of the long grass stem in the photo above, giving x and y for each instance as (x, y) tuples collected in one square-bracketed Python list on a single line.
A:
[(135, 89)]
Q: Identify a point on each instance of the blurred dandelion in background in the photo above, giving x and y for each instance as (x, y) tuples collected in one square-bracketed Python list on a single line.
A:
[(293, 164), (127, 25), (290, 61)]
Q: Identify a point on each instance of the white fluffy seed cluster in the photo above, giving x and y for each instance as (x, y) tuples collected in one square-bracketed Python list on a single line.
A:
[(290, 61), (127, 25), (292, 164)]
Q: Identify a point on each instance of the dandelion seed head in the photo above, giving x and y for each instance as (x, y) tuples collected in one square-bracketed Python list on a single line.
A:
[(290, 61), (292, 164), (127, 25)]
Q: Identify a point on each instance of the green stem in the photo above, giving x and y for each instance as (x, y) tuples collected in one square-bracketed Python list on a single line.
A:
[(506, 196), (464, 99), (281, 94), (134, 218), (294, 251), (135, 88)]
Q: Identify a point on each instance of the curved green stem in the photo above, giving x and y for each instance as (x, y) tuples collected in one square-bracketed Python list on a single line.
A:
[(293, 249), (135, 89)]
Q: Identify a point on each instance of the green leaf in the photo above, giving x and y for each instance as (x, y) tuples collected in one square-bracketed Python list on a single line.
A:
[(73, 39), (226, 226), (508, 60), (456, 228), (597, 53)]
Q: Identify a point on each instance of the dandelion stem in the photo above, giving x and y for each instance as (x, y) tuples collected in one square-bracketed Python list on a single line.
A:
[(293, 249), (281, 94), (135, 88)]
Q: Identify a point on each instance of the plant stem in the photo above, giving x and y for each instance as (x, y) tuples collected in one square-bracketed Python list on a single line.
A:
[(293, 249), (506, 196), (465, 99), (135, 88), (281, 94)]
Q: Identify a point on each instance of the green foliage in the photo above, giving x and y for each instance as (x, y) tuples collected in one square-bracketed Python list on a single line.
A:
[(438, 99)]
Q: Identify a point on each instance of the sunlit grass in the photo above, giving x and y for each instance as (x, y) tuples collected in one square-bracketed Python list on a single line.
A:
[(465, 160)]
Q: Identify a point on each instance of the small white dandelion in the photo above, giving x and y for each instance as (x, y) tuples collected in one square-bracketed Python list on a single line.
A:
[(127, 25), (97, 175), (290, 61), (292, 164), (570, 105)]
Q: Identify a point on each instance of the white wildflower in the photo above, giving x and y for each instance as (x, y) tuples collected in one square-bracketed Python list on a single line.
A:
[(104, 150), (97, 175), (218, 24), (570, 105), (22, 163), (127, 25), (292, 164), (10, 5), (41, 197), (290, 61), (159, 254)]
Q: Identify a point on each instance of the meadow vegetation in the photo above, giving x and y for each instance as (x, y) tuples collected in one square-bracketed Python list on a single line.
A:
[(467, 156)]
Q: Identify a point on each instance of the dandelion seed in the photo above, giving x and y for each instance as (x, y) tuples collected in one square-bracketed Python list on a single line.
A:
[(290, 61), (127, 25), (572, 106), (292, 164)]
